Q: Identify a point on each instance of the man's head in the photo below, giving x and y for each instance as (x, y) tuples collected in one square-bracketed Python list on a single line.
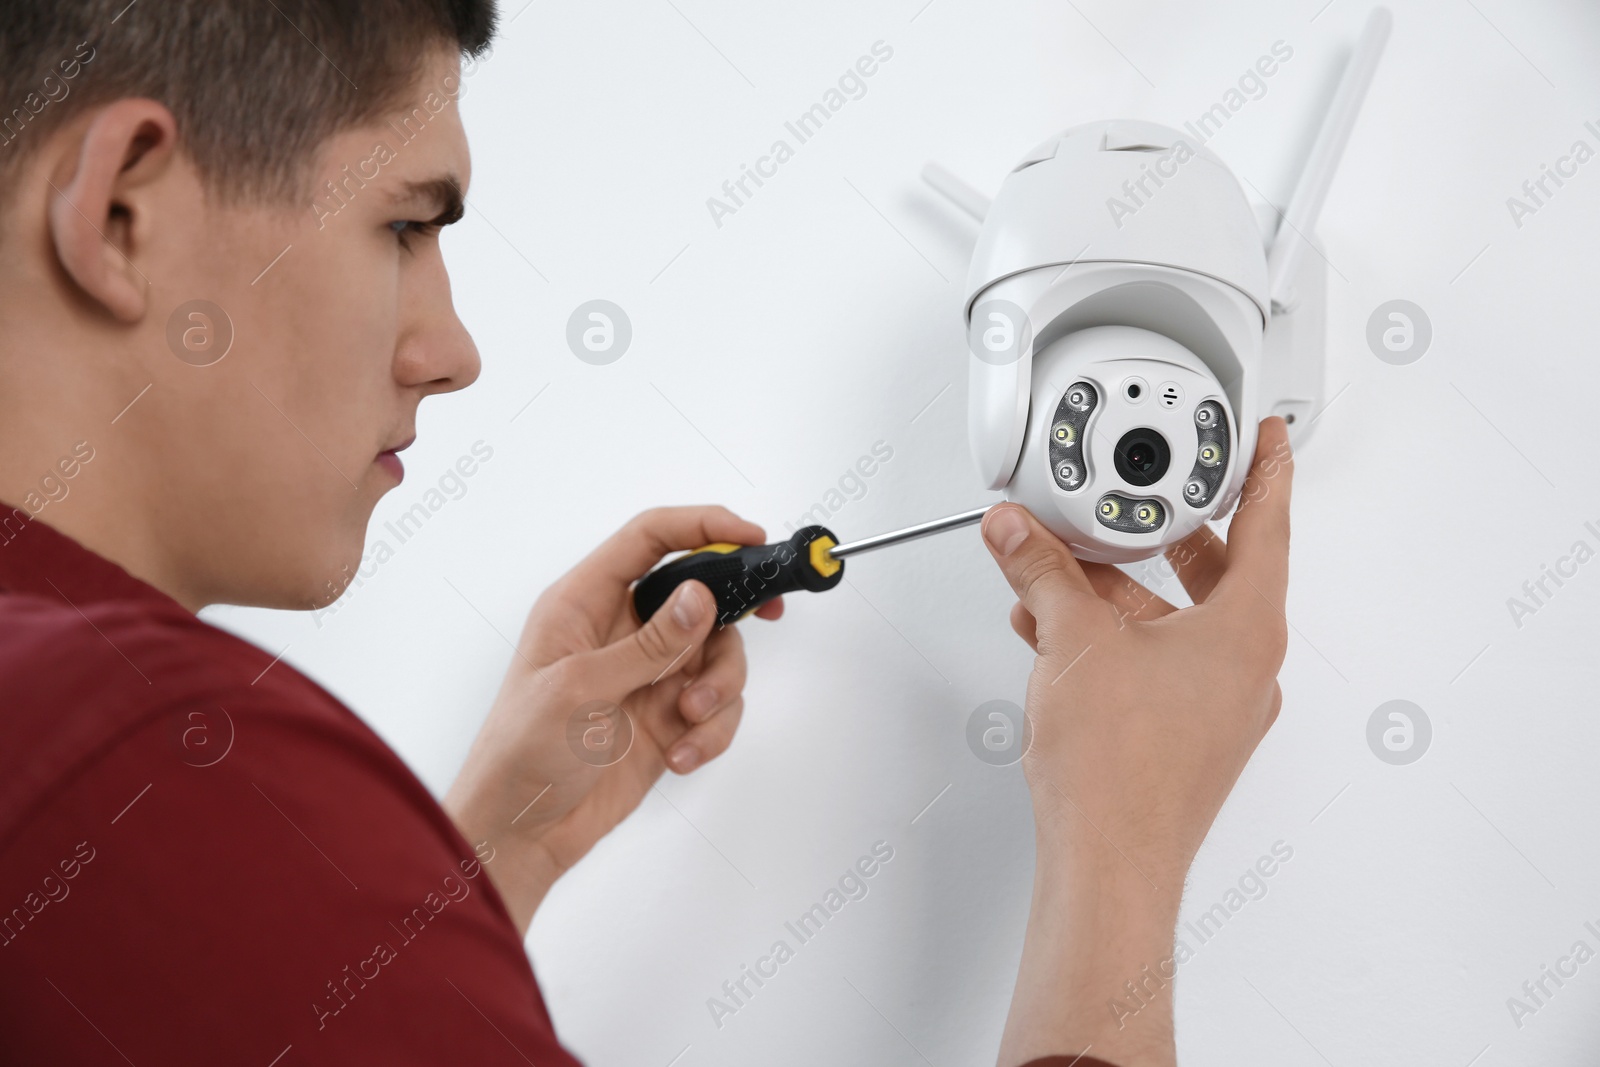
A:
[(224, 212)]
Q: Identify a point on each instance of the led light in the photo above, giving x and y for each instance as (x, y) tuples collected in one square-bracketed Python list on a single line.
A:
[(1064, 433), (1195, 491), (1110, 509), (1206, 415), (1080, 397), (1210, 455), (1147, 513), (1068, 475)]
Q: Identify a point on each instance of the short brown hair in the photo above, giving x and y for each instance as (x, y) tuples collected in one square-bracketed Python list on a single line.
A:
[(255, 85)]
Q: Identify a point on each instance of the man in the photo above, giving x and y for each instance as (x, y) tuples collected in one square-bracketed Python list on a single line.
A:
[(222, 300)]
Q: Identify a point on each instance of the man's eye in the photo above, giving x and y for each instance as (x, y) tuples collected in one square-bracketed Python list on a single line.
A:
[(407, 228)]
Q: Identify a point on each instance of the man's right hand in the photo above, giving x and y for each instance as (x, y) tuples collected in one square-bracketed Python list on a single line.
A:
[(1143, 717), (595, 706)]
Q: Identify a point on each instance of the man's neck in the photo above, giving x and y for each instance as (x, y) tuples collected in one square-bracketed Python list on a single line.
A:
[(83, 471)]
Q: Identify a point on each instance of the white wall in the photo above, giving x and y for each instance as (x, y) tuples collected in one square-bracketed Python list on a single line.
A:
[(772, 352)]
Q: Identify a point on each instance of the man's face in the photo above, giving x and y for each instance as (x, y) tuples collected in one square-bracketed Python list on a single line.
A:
[(273, 457)]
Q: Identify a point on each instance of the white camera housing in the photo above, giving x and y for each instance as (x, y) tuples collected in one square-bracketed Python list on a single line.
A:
[(1123, 254)]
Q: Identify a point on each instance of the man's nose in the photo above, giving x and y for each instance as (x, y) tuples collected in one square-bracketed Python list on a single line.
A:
[(437, 351)]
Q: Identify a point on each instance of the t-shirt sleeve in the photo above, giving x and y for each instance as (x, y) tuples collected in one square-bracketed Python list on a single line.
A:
[(240, 881)]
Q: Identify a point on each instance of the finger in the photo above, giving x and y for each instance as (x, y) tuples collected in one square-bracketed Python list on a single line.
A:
[(658, 649), (1132, 601), (720, 682), (1258, 538), (706, 741), (686, 670), (772, 610), (1199, 561), (632, 551), (1036, 563), (1026, 626)]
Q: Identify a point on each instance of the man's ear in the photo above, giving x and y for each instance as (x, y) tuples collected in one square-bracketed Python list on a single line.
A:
[(98, 217)]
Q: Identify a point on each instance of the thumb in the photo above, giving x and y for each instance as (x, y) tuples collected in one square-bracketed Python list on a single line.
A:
[(658, 648), (1041, 570)]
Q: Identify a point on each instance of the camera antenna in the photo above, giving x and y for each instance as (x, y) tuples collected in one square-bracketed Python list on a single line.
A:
[(958, 192), (1312, 188)]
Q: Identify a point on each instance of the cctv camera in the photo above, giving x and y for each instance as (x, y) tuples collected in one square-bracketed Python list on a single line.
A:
[(1131, 318)]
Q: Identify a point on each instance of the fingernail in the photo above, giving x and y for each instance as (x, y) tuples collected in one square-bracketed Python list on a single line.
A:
[(687, 606), (701, 699), (683, 757), (1005, 530)]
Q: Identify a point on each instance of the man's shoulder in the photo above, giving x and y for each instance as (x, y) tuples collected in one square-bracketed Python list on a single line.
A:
[(81, 679)]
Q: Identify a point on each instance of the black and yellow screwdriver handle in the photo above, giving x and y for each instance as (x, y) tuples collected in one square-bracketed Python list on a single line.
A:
[(744, 577)]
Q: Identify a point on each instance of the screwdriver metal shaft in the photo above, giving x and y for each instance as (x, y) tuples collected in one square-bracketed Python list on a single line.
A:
[(910, 533)]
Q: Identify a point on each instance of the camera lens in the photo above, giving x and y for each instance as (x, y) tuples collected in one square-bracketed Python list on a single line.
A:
[(1142, 457)]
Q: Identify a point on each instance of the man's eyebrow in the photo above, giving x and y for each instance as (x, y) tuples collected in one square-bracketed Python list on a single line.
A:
[(444, 192)]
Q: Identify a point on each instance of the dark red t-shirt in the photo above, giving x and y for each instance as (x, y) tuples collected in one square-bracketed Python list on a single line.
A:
[(205, 858)]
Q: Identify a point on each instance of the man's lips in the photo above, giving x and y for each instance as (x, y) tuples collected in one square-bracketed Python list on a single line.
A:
[(389, 459)]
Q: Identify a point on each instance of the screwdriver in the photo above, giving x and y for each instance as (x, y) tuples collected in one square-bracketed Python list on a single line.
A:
[(744, 577)]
